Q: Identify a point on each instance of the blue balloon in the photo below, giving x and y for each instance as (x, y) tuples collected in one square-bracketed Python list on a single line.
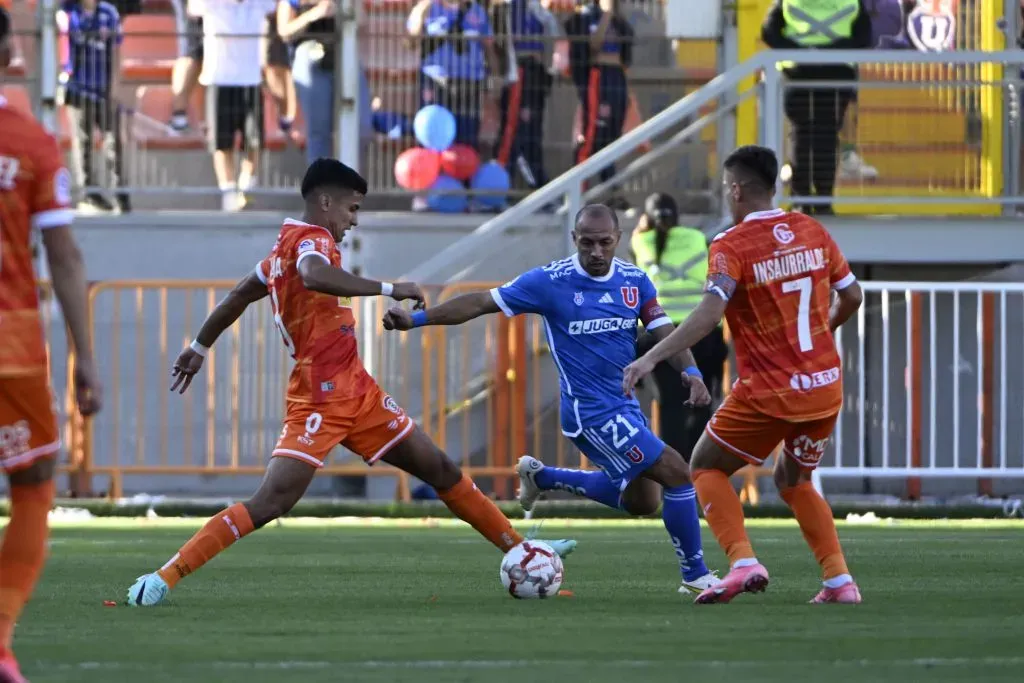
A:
[(491, 176), (434, 127), (447, 203)]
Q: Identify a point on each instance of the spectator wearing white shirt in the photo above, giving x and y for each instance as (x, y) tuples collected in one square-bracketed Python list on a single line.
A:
[(232, 73)]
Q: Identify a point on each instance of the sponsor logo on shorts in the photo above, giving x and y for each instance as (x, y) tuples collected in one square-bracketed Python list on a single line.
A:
[(305, 440), (803, 382), (14, 439), (600, 325), (808, 450), (326, 386), (389, 404)]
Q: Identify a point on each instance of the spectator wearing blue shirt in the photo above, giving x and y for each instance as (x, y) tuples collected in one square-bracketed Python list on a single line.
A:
[(600, 52), (456, 55), (531, 30), (92, 32)]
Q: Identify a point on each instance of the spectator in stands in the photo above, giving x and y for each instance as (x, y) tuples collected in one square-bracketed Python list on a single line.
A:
[(185, 75), (311, 30), (457, 53), (529, 30), (277, 74), (234, 102), (817, 113), (675, 257), (91, 31), (600, 52)]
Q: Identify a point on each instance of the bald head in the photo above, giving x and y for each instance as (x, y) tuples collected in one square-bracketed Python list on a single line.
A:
[(595, 212), (596, 233)]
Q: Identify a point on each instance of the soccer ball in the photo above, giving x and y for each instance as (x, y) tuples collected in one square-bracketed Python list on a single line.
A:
[(532, 569)]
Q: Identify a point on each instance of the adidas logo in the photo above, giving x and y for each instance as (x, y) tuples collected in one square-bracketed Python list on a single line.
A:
[(606, 299)]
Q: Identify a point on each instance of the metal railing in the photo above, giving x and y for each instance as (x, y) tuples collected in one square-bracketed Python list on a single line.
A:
[(933, 387), (568, 188), (933, 391)]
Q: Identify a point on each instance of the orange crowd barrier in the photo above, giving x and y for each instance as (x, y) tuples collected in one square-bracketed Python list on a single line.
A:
[(486, 391)]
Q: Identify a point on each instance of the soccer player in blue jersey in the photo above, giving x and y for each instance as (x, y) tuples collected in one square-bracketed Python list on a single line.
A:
[(590, 304)]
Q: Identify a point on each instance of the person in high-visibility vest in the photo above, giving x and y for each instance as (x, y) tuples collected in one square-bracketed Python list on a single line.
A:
[(817, 112), (675, 258)]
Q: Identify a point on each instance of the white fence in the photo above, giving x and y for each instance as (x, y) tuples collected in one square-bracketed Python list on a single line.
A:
[(934, 388)]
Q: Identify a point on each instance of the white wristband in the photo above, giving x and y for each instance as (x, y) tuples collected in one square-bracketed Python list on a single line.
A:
[(199, 348), (386, 288)]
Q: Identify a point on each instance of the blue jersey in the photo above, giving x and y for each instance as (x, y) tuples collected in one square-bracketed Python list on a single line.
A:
[(92, 37), (591, 325), (442, 58)]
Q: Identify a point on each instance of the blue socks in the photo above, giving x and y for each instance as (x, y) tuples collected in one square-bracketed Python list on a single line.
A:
[(679, 512), (593, 485)]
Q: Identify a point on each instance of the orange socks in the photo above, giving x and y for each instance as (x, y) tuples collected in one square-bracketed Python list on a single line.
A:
[(815, 518), (221, 531), (724, 513), (23, 552), (470, 505)]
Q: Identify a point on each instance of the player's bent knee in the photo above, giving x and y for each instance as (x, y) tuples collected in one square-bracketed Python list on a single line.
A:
[(789, 473)]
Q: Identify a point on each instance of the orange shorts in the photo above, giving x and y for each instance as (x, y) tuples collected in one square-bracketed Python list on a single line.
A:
[(28, 421), (369, 425), (753, 436)]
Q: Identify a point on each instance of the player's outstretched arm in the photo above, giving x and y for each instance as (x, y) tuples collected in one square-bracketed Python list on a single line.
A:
[(697, 325), (455, 312), (686, 365), (320, 276), (67, 271), (845, 303), (249, 290)]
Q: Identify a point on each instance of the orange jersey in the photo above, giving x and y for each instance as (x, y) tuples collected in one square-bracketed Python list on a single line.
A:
[(777, 271), (35, 192), (318, 329)]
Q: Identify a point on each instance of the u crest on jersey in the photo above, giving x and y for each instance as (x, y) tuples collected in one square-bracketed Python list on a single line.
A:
[(631, 296)]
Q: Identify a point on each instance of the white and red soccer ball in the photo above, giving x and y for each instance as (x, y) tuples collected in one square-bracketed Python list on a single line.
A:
[(532, 569)]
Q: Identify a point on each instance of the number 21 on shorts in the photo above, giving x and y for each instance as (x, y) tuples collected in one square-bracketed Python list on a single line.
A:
[(803, 285), (611, 427)]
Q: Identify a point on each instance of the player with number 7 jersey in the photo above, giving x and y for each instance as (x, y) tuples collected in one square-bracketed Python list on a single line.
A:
[(773, 276)]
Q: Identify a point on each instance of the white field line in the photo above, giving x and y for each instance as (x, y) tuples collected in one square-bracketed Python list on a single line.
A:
[(530, 663)]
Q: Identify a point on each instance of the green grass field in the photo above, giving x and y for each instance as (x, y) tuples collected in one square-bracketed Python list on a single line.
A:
[(316, 602)]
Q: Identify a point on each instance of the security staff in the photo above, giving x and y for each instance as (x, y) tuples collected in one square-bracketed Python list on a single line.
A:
[(816, 112), (531, 29), (600, 51), (676, 259)]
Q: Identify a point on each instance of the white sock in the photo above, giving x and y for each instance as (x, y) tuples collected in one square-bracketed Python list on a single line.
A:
[(838, 581), (244, 180), (745, 562)]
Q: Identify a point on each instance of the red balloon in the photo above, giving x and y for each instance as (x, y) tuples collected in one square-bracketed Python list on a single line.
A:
[(417, 168), (460, 162)]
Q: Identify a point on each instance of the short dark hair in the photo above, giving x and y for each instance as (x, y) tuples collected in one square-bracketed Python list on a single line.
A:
[(331, 173), (596, 210), (5, 24), (756, 165)]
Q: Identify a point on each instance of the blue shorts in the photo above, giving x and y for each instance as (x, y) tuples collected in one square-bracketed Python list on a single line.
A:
[(624, 447)]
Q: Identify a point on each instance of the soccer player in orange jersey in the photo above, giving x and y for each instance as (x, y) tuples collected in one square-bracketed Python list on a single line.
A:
[(35, 193), (331, 399), (772, 276)]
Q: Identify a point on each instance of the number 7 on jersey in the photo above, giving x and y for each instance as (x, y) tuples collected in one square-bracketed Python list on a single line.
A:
[(803, 285)]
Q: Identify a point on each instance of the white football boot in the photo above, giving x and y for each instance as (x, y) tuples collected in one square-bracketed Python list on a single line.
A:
[(527, 468), (701, 584)]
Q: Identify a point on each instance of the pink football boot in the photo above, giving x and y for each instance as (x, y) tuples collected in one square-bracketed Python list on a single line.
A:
[(847, 594), (751, 579)]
